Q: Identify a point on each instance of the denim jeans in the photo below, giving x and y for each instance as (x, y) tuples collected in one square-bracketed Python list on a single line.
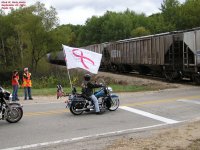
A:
[(96, 103), (27, 92), (14, 93)]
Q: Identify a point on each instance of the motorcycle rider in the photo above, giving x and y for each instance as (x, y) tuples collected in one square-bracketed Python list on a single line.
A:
[(87, 90)]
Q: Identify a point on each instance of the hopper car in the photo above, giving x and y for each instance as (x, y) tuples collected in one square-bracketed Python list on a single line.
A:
[(173, 55)]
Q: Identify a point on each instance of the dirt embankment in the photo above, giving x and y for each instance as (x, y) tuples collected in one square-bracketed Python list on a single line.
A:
[(154, 84), (182, 137)]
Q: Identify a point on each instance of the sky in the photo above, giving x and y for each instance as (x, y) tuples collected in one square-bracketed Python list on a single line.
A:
[(76, 12)]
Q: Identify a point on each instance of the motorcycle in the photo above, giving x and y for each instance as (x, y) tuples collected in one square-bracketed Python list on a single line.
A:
[(78, 103), (12, 112)]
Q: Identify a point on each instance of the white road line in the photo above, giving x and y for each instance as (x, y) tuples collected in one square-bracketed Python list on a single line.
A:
[(189, 101), (146, 114), (83, 137)]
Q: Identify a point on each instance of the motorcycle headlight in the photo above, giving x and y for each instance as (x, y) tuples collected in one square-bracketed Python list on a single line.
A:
[(71, 97), (10, 97), (110, 89)]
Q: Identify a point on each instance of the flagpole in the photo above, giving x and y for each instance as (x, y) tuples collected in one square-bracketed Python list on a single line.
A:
[(69, 78), (67, 69)]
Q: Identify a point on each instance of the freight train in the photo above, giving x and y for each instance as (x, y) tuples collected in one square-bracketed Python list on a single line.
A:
[(173, 55)]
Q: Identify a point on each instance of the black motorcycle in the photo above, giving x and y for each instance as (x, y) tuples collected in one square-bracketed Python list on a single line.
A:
[(9, 111), (78, 103)]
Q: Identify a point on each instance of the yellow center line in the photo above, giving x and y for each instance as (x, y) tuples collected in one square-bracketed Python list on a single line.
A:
[(59, 111)]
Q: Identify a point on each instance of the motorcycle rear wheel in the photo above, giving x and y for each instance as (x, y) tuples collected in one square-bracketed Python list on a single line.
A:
[(73, 110), (14, 115), (114, 104)]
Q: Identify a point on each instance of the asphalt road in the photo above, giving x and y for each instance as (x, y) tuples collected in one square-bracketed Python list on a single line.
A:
[(51, 126)]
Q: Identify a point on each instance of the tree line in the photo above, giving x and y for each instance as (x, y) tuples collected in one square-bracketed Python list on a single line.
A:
[(28, 34)]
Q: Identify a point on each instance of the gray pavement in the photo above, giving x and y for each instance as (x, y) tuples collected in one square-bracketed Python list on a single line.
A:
[(48, 125)]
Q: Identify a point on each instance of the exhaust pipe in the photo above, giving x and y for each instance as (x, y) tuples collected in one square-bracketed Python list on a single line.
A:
[(81, 109), (84, 109)]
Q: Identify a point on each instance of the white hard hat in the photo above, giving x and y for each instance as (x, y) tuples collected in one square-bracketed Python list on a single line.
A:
[(25, 69)]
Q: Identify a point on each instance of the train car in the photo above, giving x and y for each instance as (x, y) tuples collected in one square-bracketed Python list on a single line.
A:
[(191, 54), (173, 55), (100, 48), (56, 58)]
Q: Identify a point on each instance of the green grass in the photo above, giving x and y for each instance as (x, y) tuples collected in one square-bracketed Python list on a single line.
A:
[(52, 91), (42, 91), (129, 88)]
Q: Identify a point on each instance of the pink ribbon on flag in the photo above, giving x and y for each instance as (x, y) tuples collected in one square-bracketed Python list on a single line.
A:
[(82, 57)]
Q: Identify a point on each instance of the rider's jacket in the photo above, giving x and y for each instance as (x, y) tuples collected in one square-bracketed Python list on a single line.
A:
[(88, 88)]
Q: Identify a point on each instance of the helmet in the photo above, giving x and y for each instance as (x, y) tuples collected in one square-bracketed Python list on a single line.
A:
[(87, 77), (25, 69)]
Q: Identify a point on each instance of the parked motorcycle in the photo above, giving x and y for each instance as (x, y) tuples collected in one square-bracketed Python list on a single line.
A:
[(9, 111), (78, 103)]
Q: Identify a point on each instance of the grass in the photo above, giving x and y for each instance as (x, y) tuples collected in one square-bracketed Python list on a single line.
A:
[(42, 91), (129, 88), (52, 91)]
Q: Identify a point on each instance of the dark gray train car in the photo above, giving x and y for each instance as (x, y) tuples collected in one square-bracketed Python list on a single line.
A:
[(144, 54), (174, 55), (56, 58), (101, 48)]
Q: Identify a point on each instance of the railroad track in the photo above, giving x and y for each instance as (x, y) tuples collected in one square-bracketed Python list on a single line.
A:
[(184, 81)]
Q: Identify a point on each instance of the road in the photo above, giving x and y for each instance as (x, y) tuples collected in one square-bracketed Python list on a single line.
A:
[(48, 125)]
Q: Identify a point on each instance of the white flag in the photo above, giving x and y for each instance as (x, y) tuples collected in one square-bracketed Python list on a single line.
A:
[(81, 58)]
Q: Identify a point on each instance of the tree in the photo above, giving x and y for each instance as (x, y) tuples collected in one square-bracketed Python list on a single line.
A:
[(39, 41), (48, 17), (170, 13), (117, 25), (19, 20), (140, 31), (93, 30), (3, 59), (157, 24), (5, 32), (189, 14), (38, 28)]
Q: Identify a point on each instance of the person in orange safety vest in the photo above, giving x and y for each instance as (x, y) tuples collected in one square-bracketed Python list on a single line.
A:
[(27, 84)]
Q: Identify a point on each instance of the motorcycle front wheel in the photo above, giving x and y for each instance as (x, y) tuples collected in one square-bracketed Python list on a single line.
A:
[(14, 114), (114, 104), (74, 111)]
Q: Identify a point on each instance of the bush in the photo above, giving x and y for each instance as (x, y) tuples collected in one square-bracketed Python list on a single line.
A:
[(47, 78)]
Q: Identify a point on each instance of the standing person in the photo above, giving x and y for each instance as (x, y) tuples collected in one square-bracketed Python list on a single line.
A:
[(15, 85), (27, 84), (88, 91)]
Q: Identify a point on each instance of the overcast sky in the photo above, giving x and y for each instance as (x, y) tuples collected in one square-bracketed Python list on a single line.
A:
[(78, 11)]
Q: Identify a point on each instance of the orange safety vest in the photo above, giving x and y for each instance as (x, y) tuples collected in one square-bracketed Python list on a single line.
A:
[(14, 82), (27, 80)]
